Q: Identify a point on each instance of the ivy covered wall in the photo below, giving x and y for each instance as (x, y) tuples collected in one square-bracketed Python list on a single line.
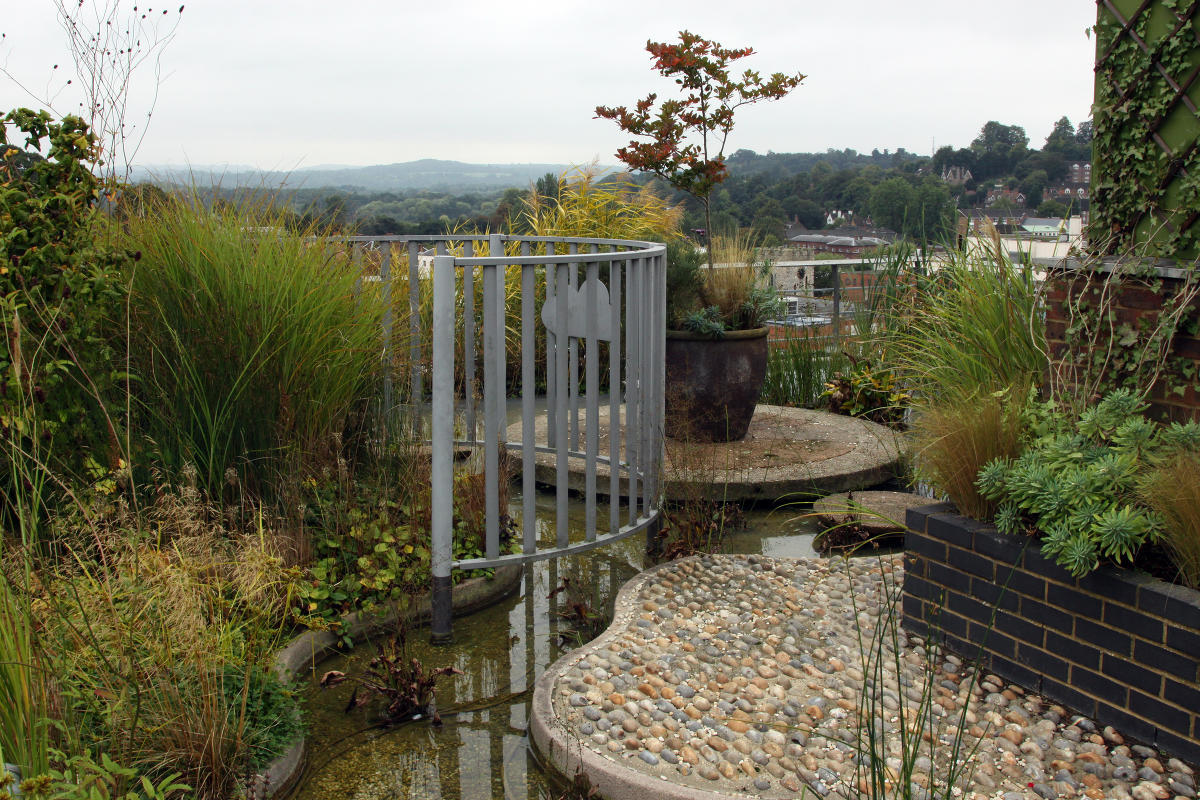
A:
[(1146, 156)]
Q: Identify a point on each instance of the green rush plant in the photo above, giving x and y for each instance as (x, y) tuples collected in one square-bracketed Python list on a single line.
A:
[(798, 369), (924, 731), (25, 725), (164, 656), (251, 346)]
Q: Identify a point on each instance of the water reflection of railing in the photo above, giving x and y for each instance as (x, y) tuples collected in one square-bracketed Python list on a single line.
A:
[(605, 303), (484, 753)]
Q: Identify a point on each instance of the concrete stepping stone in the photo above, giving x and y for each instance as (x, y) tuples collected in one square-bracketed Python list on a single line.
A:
[(873, 512)]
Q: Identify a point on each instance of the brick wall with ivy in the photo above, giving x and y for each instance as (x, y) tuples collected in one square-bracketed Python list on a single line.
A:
[(1111, 331)]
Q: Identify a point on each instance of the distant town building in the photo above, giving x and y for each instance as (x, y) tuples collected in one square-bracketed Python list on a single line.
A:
[(1004, 220), (1043, 227), (997, 193), (1038, 240), (851, 242), (957, 176), (1075, 189)]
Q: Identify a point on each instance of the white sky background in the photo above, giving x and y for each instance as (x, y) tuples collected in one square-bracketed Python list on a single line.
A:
[(281, 85)]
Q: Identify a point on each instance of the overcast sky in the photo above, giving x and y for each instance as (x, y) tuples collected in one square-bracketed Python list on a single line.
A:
[(281, 85)]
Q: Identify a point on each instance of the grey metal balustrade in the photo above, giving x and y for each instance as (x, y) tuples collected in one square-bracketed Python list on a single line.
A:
[(605, 301)]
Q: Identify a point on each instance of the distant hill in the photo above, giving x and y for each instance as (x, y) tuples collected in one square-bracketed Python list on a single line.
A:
[(428, 173)]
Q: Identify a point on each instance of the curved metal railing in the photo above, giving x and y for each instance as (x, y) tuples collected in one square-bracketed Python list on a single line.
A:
[(604, 308)]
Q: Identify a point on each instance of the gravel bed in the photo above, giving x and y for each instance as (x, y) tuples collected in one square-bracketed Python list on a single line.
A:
[(760, 676)]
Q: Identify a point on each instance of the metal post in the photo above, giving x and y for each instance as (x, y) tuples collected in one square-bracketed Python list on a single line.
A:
[(493, 420), (442, 471), (562, 442)]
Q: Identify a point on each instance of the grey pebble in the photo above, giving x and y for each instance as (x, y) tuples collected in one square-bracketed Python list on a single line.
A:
[(1181, 789)]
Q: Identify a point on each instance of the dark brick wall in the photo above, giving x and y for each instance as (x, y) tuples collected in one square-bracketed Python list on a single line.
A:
[(1137, 301), (1117, 646)]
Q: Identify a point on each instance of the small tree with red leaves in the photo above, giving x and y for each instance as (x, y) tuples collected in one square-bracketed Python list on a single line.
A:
[(686, 137)]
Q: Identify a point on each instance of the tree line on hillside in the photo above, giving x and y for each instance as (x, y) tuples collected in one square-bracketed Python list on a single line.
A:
[(767, 193)]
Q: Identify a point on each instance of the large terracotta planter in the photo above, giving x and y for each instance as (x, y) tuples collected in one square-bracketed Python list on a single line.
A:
[(713, 384)]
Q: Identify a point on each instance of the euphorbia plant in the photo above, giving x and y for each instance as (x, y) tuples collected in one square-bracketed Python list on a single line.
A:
[(685, 137)]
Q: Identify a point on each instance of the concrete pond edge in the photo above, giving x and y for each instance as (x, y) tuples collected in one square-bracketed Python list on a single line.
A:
[(568, 757), (309, 648)]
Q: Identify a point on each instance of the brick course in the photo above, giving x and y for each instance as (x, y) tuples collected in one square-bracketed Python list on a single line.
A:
[(1117, 646)]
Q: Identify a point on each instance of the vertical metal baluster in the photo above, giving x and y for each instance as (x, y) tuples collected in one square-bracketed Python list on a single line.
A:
[(633, 437), (490, 423), (441, 250), (660, 349), (385, 291), (592, 399), (646, 403), (496, 248), (561, 475), (573, 348), (551, 350), (442, 467), (614, 400), (414, 336), (493, 399), (528, 389), (472, 428)]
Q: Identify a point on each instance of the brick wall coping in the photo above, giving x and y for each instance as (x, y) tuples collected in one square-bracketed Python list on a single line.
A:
[(1161, 267)]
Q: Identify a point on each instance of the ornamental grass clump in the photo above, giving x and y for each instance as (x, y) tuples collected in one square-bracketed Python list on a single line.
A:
[(1077, 483), (594, 206), (736, 295), (1172, 491), (966, 344), (164, 654), (975, 327), (250, 345), (952, 441)]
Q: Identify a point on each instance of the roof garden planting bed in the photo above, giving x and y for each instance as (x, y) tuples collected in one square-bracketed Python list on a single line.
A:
[(1117, 646)]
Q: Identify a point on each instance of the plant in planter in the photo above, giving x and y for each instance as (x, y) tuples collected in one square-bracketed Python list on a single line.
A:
[(716, 349), (683, 141), (1078, 482)]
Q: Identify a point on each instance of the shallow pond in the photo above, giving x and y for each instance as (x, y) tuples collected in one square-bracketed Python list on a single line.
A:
[(482, 751)]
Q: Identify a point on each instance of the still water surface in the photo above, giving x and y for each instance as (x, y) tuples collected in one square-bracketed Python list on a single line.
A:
[(482, 751)]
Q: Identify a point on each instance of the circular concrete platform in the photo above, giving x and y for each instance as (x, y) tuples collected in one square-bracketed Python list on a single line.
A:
[(789, 453)]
